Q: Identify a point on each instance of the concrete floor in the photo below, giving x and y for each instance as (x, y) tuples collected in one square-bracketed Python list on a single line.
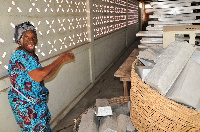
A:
[(108, 87)]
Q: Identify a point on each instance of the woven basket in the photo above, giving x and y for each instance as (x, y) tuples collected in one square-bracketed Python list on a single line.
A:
[(118, 100), (151, 111)]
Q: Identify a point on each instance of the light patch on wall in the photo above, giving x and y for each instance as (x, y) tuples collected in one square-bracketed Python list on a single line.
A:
[(40, 33), (38, 10), (50, 51), (1, 40), (19, 9), (43, 54), (54, 30), (47, 22), (39, 22), (13, 2), (41, 44), (32, 23), (6, 67), (9, 9), (30, 9), (48, 31), (12, 25), (33, 4), (4, 55)]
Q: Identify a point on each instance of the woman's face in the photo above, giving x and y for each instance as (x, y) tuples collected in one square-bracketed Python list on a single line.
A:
[(28, 41)]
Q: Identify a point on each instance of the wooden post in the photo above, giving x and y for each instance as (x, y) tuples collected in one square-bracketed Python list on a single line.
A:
[(125, 88)]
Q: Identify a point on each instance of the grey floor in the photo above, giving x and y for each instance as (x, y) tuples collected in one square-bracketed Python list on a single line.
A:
[(108, 87)]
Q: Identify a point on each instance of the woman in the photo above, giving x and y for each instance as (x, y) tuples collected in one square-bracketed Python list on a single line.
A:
[(28, 95)]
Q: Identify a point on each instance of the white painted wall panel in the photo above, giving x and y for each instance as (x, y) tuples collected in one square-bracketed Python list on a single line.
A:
[(71, 80), (106, 50), (7, 119), (131, 33)]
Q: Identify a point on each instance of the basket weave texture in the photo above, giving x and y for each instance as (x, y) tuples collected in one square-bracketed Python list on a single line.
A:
[(118, 100), (151, 111)]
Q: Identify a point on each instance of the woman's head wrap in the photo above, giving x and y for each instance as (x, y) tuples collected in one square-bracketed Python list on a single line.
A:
[(19, 29)]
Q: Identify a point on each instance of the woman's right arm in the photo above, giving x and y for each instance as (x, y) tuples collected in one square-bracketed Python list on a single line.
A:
[(48, 71)]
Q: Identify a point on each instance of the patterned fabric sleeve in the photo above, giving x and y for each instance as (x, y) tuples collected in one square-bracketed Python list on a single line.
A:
[(20, 60), (29, 63)]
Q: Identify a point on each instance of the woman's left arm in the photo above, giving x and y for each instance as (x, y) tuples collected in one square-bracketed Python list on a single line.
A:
[(48, 71), (54, 70)]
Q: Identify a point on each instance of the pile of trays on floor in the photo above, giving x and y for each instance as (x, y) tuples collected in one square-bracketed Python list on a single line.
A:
[(165, 89), (108, 115)]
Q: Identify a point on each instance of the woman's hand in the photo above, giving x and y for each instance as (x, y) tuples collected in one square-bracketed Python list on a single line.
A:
[(48, 71), (66, 56)]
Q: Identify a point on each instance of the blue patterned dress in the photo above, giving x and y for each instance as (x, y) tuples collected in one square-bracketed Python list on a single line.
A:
[(28, 98)]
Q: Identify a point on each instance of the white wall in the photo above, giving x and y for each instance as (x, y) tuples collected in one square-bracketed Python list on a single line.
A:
[(106, 50)]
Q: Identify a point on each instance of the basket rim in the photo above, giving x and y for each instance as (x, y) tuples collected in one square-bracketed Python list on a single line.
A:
[(119, 100)]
